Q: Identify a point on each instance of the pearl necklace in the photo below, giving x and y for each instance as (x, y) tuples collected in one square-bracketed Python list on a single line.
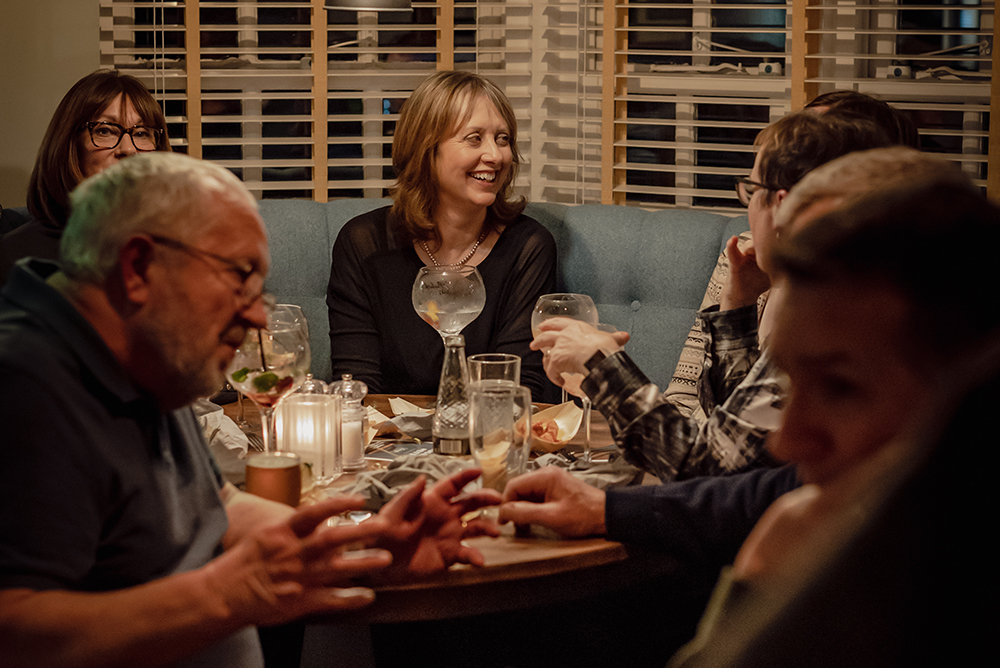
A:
[(423, 244)]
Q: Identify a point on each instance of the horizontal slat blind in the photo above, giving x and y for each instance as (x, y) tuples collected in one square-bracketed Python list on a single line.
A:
[(260, 97), (659, 111), (546, 56), (931, 59), (694, 83)]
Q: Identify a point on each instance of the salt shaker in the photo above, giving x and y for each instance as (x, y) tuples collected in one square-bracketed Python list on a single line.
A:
[(354, 420)]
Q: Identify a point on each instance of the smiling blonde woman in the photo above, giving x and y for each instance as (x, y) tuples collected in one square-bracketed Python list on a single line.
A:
[(455, 155)]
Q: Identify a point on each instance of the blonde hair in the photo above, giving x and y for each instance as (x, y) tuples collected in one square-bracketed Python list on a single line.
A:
[(440, 104)]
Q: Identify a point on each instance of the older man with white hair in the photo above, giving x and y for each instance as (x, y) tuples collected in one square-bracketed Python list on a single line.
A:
[(121, 545)]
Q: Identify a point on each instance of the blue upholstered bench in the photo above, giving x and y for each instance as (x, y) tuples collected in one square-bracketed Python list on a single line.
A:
[(647, 271)]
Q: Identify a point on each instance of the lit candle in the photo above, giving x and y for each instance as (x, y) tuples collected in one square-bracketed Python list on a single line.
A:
[(307, 425), (353, 443)]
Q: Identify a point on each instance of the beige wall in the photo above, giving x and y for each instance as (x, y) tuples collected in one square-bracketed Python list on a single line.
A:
[(45, 47)]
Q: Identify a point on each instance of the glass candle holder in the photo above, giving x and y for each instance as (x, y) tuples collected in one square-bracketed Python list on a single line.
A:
[(309, 424)]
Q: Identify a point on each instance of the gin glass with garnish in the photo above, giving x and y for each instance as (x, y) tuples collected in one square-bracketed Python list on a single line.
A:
[(270, 364)]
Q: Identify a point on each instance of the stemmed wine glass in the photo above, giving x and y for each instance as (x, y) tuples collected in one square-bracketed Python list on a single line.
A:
[(270, 364), (298, 316), (448, 297), (241, 418), (575, 307)]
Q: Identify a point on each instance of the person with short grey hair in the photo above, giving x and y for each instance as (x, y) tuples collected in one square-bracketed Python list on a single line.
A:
[(157, 195), (121, 545)]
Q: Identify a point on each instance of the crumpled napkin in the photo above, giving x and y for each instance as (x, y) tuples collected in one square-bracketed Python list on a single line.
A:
[(614, 473), (410, 420), (227, 443), (401, 406), (414, 425), (378, 487)]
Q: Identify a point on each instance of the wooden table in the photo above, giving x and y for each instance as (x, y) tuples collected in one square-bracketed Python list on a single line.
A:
[(537, 602), (519, 573), (511, 562), (561, 583)]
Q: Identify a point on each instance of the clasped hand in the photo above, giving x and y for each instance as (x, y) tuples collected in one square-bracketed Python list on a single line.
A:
[(423, 528)]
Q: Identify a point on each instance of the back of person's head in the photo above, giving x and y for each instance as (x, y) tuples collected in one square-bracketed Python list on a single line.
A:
[(435, 110), (896, 123), (859, 173), (152, 193), (58, 164), (923, 240), (800, 142)]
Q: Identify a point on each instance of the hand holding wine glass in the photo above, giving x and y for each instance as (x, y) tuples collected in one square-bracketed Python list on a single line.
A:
[(563, 305), (569, 344), (575, 307), (270, 364)]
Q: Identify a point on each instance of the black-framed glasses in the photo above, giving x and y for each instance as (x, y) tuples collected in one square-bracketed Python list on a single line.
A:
[(251, 281), (745, 188), (108, 135)]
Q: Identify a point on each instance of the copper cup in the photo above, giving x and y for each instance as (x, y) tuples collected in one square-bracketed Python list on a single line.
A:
[(275, 476)]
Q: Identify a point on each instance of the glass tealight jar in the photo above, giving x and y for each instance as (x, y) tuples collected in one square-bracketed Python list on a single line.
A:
[(308, 423)]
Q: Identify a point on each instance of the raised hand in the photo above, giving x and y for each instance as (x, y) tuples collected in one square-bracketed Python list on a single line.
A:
[(283, 571), (747, 281)]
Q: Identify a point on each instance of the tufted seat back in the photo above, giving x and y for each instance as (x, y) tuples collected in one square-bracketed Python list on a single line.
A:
[(647, 271)]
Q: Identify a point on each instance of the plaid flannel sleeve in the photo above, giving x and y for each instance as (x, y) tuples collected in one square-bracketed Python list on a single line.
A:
[(656, 437), (731, 350)]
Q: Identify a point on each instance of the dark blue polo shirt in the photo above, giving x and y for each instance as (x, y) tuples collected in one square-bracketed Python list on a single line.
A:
[(99, 489)]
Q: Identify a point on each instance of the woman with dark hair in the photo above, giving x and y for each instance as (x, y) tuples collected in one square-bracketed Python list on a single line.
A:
[(455, 156), (86, 135)]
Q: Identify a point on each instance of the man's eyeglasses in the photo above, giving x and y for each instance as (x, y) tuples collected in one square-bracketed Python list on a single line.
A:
[(745, 188), (109, 135), (251, 281)]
